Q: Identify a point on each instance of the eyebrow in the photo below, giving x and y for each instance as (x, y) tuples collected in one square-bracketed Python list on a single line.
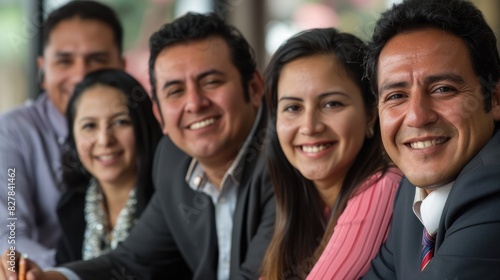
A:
[(97, 53), (321, 96), (444, 77), (389, 86), (428, 80), (198, 77), (114, 116)]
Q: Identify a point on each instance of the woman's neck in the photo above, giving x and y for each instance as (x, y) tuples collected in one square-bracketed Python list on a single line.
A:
[(115, 198), (329, 193)]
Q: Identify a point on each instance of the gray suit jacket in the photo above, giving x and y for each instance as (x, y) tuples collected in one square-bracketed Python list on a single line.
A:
[(176, 237), (468, 237)]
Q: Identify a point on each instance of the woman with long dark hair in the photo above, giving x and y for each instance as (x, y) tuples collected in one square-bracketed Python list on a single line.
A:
[(334, 185), (107, 167)]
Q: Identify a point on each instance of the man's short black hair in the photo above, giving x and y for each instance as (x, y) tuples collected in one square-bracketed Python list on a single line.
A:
[(89, 10), (458, 17)]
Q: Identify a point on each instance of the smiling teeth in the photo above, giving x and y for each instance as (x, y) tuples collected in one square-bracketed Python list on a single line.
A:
[(107, 157), (202, 124), (426, 144), (314, 149)]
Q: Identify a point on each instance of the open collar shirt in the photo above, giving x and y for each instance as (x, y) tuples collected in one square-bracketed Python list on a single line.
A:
[(223, 198), (429, 207)]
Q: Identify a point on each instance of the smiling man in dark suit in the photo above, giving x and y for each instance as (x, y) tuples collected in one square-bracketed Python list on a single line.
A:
[(212, 215), (436, 70)]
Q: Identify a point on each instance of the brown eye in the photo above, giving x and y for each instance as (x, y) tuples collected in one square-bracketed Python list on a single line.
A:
[(333, 104), (121, 122), (291, 108), (444, 89), (395, 96), (88, 126)]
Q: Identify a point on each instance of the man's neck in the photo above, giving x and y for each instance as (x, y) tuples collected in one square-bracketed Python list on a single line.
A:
[(215, 171)]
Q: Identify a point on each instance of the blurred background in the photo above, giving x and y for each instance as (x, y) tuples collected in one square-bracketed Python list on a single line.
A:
[(265, 23)]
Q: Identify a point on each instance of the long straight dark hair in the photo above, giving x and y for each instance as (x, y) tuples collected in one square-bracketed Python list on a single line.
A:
[(147, 132), (301, 232)]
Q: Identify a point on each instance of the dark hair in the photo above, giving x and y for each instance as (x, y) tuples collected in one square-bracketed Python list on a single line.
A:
[(146, 131), (300, 231), (459, 17), (89, 10), (194, 27)]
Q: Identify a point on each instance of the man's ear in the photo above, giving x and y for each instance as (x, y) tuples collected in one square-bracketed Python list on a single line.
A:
[(158, 116), (256, 89), (41, 71), (495, 102)]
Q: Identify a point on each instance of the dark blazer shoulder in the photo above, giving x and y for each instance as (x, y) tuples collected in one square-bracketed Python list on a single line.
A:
[(167, 155)]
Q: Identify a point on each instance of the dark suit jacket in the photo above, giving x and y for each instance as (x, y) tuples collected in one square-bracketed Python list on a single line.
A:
[(176, 236), (70, 212), (468, 237), (71, 215)]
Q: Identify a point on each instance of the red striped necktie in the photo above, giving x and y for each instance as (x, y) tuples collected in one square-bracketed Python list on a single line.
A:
[(428, 241)]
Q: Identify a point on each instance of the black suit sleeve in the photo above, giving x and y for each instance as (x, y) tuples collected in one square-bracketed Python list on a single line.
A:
[(70, 212)]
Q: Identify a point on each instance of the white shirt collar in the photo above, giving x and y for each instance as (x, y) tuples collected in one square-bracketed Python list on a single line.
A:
[(429, 207)]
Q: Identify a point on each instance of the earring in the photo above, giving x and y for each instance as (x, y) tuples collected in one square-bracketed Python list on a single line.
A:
[(369, 132)]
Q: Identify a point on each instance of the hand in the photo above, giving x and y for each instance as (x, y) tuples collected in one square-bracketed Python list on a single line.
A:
[(11, 262), (10, 265)]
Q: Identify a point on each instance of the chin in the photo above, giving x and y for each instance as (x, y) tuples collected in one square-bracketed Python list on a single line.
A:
[(426, 181)]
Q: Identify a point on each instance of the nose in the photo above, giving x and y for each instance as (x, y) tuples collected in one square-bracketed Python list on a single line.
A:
[(196, 100), (78, 71), (420, 110), (311, 123), (105, 137)]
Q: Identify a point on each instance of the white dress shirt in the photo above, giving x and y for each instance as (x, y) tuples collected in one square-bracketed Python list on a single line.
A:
[(429, 207)]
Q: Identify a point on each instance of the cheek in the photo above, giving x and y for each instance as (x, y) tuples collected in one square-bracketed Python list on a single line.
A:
[(55, 78), (171, 115), (126, 140), (388, 123), (467, 107), (352, 130), (83, 147), (284, 129)]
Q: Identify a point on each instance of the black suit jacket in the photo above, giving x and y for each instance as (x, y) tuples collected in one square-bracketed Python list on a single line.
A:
[(468, 237), (176, 236), (70, 212)]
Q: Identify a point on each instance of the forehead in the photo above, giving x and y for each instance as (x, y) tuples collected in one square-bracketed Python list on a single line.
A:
[(315, 74), (422, 53), (193, 57), (81, 35), (318, 66), (100, 100)]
